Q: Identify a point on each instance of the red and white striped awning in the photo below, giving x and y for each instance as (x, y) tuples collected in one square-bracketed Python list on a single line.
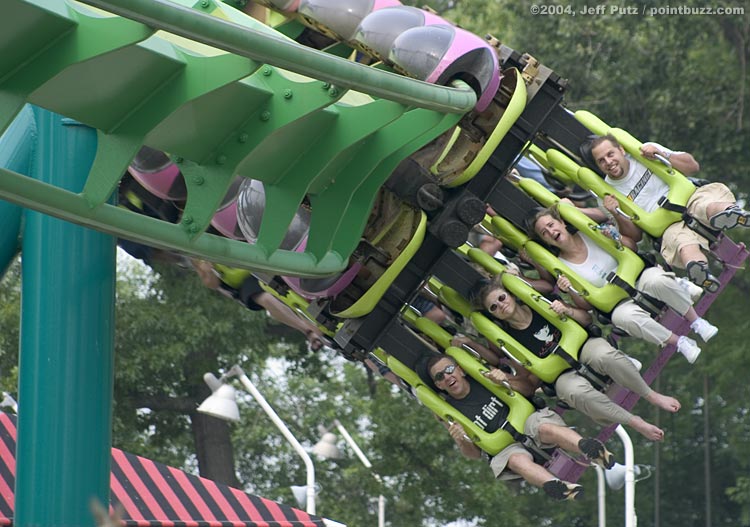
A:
[(155, 495)]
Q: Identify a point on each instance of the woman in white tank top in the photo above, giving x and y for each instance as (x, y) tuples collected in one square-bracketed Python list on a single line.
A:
[(591, 262)]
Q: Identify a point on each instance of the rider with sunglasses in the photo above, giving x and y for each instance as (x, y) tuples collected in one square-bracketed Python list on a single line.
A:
[(541, 337), (544, 427)]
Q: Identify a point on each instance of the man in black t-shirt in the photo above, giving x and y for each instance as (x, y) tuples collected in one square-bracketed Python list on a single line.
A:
[(488, 412)]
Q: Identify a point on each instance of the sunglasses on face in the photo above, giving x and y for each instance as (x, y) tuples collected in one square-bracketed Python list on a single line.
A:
[(502, 297), (439, 376)]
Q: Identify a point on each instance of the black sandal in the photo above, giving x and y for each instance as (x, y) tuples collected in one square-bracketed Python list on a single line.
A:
[(596, 452), (562, 490)]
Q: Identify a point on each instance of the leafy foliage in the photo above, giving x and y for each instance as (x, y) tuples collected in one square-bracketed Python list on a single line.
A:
[(10, 324)]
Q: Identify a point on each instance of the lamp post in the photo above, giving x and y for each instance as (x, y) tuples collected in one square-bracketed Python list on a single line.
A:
[(601, 489), (629, 476), (221, 404), (326, 448)]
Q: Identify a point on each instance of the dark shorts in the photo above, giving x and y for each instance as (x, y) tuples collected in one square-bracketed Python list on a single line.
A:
[(248, 291)]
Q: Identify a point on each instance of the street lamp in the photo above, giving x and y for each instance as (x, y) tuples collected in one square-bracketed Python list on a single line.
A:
[(619, 476), (625, 475), (326, 448), (217, 405), (614, 478), (9, 402), (222, 402)]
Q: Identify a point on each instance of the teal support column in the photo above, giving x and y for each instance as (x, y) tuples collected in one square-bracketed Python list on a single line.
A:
[(16, 149), (67, 342)]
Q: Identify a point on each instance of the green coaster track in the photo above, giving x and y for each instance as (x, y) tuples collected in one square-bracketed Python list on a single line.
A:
[(205, 83)]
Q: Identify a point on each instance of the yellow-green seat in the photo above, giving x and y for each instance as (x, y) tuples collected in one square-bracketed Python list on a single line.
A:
[(562, 165), (539, 192), (232, 276), (428, 327), (556, 170), (511, 113), (487, 261), (505, 231), (366, 303), (451, 298), (629, 264), (519, 408), (589, 180), (296, 303), (573, 334), (546, 368), (680, 188)]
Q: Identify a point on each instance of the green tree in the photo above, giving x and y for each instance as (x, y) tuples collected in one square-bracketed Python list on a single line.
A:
[(10, 324), (170, 331)]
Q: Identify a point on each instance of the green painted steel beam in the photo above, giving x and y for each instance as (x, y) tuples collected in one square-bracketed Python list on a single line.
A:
[(260, 114), (350, 130), (350, 196), (16, 147), (66, 205), (200, 78), (46, 41), (219, 115), (266, 47)]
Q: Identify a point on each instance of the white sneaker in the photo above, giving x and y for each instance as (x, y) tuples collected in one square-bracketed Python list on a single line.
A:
[(704, 328), (694, 291), (689, 348)]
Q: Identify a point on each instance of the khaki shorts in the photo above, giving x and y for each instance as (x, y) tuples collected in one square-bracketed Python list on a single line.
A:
[(704, 196), (678, 235), (499, 463)]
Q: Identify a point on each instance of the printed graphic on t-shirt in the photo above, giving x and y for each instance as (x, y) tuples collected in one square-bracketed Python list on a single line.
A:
[(485, 409), (639, 186), (540, 337), (488, 412), (546, 336), (601, 273)]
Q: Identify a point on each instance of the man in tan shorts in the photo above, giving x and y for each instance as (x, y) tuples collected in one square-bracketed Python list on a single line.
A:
[(712, 204), (546, 428)]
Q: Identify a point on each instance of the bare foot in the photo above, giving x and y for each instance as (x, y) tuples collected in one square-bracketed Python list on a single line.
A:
[(665, 402), (649, 431), (314, 340)]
